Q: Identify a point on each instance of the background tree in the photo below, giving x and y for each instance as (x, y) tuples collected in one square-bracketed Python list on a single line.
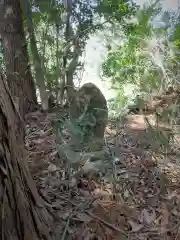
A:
[(57, 36), (18, 72), (37, 63), (62, 32)]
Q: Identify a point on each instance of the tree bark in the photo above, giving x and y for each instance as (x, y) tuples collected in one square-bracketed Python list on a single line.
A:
[(18, 72), (23, 216)]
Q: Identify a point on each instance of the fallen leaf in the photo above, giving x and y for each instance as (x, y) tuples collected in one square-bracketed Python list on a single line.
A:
[(165, 216), (83, 217), (135, 226), (65, 215), (38, 141), (52, 168), (164, 219), (53, 154), (147, 216), (126, 193)]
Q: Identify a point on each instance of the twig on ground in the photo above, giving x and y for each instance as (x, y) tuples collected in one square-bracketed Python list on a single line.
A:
[(66, 228), (106, 223)]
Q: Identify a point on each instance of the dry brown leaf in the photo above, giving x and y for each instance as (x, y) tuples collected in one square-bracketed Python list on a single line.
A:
[(101, 192), (53, 153), (147, 216), (84, 192), (83, 217), (165, 216), (135, 226), (89, 236), (126, 193), (38, 141), (164, 219), (52, 168), (41, 132)]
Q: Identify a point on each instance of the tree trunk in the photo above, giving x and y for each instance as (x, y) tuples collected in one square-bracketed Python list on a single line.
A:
[(60, 78), (68, 35), (19, 76), (71, 94), (70, 67), (40, 78), (23, 216)]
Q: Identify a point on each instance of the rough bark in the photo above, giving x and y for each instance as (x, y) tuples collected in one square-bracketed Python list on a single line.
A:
[(39, 74), (23, 216), (18, 72)]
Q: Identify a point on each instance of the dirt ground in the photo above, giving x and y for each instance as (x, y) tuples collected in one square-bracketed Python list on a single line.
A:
[(140, 200)]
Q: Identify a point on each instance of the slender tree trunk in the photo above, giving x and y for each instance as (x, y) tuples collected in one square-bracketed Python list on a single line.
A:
[(44, 51), (70, 67), (19, 76), (23, 216), (60, 78), (71, 70), (68, 34), (40, 78)]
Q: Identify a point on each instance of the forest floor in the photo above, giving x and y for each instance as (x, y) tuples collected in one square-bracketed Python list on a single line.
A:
[(141, 202)]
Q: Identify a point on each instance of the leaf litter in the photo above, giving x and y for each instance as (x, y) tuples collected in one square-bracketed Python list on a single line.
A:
[(139, 200)]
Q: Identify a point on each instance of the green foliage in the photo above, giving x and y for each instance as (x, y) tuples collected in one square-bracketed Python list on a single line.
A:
[(142, 56), (115, 9), (134, 56), (86, 17), (49, 22), (175, 38), (126, 63)]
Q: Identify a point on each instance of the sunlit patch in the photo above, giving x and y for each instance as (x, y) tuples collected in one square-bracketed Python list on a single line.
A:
[(171, 4)]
